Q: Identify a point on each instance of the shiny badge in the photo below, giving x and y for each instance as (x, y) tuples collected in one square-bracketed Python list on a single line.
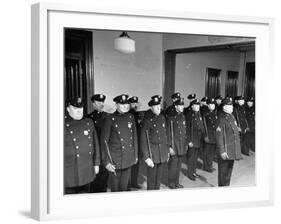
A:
[(86, 132)]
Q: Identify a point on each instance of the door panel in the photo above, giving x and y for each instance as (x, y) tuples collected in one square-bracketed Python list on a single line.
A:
[(213, 82), (231, 87), (78, 71)]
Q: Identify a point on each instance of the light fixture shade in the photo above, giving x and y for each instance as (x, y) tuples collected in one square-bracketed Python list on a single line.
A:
[(124, 44)]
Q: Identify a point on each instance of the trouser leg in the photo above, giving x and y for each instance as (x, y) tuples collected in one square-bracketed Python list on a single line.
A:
[(172, 170), (124, 179), (196, 151), (206, 149), (210, 154), (134, 175), (224, 171), (190, 161), (151, 176), (100, 182), (178, 169), (243, 141), (158, 176), (114, 180)]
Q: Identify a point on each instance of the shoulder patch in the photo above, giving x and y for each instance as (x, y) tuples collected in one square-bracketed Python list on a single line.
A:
[(218, 129)]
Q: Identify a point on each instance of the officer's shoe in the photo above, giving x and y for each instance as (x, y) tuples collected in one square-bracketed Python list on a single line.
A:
[(192, 178), (136, 186), (172, 186), (195, 175), (179, 186)]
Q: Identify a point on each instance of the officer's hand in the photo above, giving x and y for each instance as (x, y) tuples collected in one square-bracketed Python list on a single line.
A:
[(224, 156), (149, 162), (172, 152), (168, 157), (206, 139), (136, 161), (110, 167), (190, 144), (239, 129), (97, 169)]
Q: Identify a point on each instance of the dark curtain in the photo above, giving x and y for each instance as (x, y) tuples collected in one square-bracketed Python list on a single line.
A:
[(231, 84), (213, 82)]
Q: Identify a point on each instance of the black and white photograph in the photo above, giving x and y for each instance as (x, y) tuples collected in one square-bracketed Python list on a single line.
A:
[(157, 111)]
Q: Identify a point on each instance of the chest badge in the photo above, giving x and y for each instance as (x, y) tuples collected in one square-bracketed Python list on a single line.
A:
[(218, 129), (86, 132), (130, 124)]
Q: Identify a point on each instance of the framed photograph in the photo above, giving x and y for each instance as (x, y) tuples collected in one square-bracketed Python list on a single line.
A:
[(82, 55)]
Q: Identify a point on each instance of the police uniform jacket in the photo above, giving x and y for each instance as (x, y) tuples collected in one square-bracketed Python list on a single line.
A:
[(227, 137), (176, 123), (170, 110), (194, 128), (98, 119), (81, 151), (210, 120), (203, 110), (156, 127), (219, 110), (120, 134), (250, 115), (240, 115)]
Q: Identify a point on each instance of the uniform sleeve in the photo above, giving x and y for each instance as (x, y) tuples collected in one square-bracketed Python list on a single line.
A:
[(143, 139), (105, 135), (220, 144), (97, 153), (135, 138), (204, 128), (168, 131), (188, 129)]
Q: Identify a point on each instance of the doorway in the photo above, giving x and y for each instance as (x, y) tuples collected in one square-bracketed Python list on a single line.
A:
[(78, 66), (231, 85), (213, 82)]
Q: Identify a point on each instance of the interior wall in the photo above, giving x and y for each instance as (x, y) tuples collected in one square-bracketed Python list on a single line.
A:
[(138, 74), (191, 70)]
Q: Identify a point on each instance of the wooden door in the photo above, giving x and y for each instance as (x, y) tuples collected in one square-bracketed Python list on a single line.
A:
[(249, 87), (231, 85), (213, 83), (78, 66)]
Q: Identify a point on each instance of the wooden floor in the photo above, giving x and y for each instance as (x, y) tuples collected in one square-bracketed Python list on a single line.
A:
[(243, 175)]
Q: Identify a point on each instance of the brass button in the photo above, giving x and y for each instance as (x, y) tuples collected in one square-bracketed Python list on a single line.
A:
[(74, 139), (77, 147), (77, 155)]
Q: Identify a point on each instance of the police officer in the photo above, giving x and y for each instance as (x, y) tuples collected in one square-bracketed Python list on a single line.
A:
[(195, 132), (227, 143), (171, 109), (177, 142), (190, 97), (203, 106), (98, 117), (149, 113), (81, 149), (209, 122), (250, 115), (119, 144), (218, 100), (154, 143), (240, 115), (134, 102)]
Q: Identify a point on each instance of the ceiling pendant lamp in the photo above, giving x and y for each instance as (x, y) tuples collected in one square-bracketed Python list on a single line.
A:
[(124, 44)]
